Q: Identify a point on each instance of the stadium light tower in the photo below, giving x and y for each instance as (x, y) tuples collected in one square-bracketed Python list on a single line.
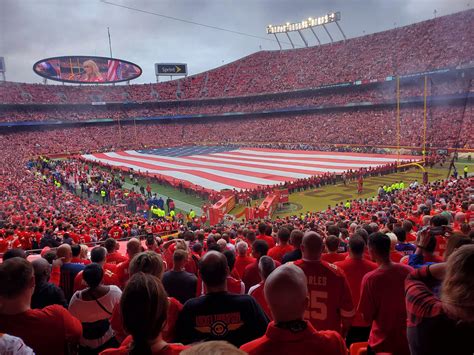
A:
[(308, 23)]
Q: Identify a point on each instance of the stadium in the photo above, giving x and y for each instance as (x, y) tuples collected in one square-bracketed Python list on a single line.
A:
[(317, 199)]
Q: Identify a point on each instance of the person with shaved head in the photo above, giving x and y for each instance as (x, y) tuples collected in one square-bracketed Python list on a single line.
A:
[(69, 270), (133, 248), (219, 315), (286, 292), (331, 306)]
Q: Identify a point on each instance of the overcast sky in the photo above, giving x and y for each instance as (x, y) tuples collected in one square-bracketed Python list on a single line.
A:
[(35, 29)]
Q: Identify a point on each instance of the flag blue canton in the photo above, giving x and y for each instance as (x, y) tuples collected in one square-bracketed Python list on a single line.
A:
[(188, 150)]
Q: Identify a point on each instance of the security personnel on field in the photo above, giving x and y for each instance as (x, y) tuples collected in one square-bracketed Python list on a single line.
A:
[(466, 171)]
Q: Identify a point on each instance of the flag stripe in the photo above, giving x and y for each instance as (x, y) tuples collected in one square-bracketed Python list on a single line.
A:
[(237, 179), (219, 167), (321, 162), (305, 167), (368, 156), (280, 175), (319, 155)]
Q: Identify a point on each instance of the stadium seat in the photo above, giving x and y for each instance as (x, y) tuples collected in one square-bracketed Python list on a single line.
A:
[(358, 348)]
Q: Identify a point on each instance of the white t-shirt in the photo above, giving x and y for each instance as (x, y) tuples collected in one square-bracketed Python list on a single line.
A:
[(90, 311), (10, 345)]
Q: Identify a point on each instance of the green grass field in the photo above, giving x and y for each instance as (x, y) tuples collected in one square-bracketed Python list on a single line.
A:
[(319, 199)]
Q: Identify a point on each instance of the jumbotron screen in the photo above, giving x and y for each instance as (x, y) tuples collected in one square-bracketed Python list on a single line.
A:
[(86, 69)]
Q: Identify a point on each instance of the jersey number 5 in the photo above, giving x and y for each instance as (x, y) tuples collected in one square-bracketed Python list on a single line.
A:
[(317, 307)]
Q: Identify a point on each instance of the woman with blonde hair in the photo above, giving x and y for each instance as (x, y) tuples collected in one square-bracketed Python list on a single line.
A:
[(92, 73), (445, 324)]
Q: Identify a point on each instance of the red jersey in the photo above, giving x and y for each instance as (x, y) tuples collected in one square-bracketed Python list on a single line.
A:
[(241, 262), (257, 292), (115, 258), (278, 341), (277, 252), (331, 258), (53, 327), (251, 275), (269, 239), (355, 269), (174, 308), (115, 232), (330, 295), (441, 245), (395, 256), (109, 279), (170, 349), (123, 273), (233, 286), (382, 303)]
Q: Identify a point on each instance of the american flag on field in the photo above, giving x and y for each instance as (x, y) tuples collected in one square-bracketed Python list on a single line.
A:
[(229, 167), (114, 71)]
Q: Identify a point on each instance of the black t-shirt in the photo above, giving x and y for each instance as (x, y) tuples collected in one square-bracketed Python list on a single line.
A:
[(180, 285), (291, 256), (441, 335), (237, 319), (47, 294)]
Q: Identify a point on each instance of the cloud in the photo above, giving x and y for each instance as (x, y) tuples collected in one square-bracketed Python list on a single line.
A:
[(31, 30)]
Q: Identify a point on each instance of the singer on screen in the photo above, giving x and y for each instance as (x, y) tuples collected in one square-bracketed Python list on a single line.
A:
[(92, 73)]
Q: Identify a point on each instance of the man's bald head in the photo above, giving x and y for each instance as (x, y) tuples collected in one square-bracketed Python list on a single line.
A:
[(42, 270), (312, 246), (64, 251), (214, 269), (286, 293), (133, 247)]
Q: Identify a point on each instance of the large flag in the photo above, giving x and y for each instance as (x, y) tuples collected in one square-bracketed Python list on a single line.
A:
[(221, 167)]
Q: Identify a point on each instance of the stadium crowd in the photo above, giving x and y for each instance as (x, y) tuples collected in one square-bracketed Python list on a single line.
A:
[(87, 299), (356, 95), (447, 127), (424, 46), (392, 274), (352, 273)]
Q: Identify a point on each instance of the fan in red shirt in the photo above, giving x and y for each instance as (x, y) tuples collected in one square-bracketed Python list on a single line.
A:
[(251, 276), (265, 234), (355, 267), (330, 306), (287, 295), (116, 232), (98, 256), (266, 265), (242, 259), (133, 248), (395, 255), (332, 244), (113, 256), (144, 306), (48, 330), (148, 262), (77, 258), (382, 299), (283, 246)]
